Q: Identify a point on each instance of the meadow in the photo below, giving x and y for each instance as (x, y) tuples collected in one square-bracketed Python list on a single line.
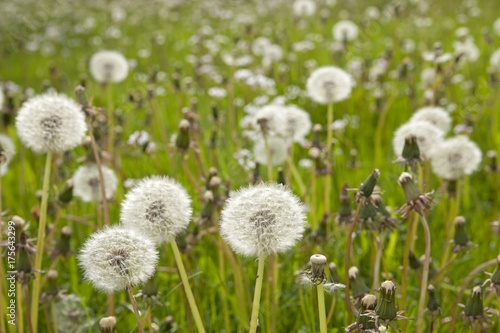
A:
[(199, 92)]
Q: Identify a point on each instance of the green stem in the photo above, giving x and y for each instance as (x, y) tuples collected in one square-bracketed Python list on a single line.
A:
[(378, 259), (187, 287), (268, 158), (321, 308), (111, 119), (256, 295), (35, 298), (425, 275), (295, 173), (329, 137), (348, 262), (136, 311)]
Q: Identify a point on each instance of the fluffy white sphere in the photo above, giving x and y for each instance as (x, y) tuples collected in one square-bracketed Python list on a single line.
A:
[(108, 66), (435, 115), (297, 123), (159, 207), (115, 258), (51, 122), (9, 149), (278, 148), (304, 7), (262, 219), (329, 84), (86, 184), (428, 137), (495, 60), (456, 158), (345, 30)]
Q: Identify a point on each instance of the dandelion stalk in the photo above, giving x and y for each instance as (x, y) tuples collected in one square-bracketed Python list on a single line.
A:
[(378, 259), (329, 137), (257, 293), (136, 311), (465, 283), (321, 308), (20, 309), (187, 288), (425, 275), (268, 158), (348, 262), (40, 242), (111, 119)]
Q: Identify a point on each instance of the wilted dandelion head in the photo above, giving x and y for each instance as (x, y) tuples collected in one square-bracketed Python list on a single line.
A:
[(159, 207), (428, 137), (108, 66), (435, 115), (50, 122), (86, 183), (262, 219), (116, 257), (7, 151), (329, 84), (455, 158), (278, 148), (304, 7), (345, 30)]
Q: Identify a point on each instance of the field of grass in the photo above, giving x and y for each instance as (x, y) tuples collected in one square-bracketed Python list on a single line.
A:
[(178, 53)]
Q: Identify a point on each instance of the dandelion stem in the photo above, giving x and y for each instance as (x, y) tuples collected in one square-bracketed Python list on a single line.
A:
[(329, 137), (256, 296), (321, 308), (187, 287), (111, 119), (378, 259), (465, 283), (3, 287), (20, 309), (40, 242), (347, 262), (295, 173), (136, 311), (268, 159), (425, 275)]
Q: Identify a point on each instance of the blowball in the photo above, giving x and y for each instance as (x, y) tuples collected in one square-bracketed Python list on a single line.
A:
[(108, 66), (329, 84), (428, 137), (8, 149), (86, 183), (456, 158), (115, 258), (159, 207), (51, 122), (262, 219)]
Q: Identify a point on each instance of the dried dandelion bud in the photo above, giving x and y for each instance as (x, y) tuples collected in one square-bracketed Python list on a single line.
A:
[(461, 240), (415, 200), (368, 303), (66, 195), (474, 309), (334, 275), (63, 247), (86, 183), (358, 286), (262, 219), (386, 306), (183, 139), (108, 66), (367, 187), (107, 324), (495, 277), (427, 137), (345, 210), (51, 289), (433, 307), (411, 152), (51, 122), (115, 258), (159, 207)]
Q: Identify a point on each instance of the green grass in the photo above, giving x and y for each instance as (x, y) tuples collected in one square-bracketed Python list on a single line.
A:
[(213, 286)]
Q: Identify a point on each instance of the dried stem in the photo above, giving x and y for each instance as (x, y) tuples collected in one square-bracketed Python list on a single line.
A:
[(136, 311), (425, 275)]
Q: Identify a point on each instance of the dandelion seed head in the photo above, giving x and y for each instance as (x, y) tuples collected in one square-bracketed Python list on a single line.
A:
[(436, 115), (108, 66), (297, 123), (8, 149), (345, 30), (115, 258), (494, 60), (304, 7), (428, 137), (159, 207), (51, 122), (86, 183), (329, 84), (262, 219), (278, 148), (456, 158)]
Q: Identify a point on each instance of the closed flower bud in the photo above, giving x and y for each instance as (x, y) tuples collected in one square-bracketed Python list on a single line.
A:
[(461, 240), (367, 187), (386, 306), (182, 140), (107, 324), (415, 199), (358, 286)]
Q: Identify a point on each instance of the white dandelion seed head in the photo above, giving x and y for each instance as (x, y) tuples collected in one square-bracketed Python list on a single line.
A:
[(272, 117), (428, 137), (456, 158), (51, 122), (496, 26), (2, 97), (262, 219), (297, 123), (159, 207), (345, 30), (115, 258), (353, 272), (329, 84), (467, 49), (494, 60), (278, 148), (108, 66), (304, 7), (436, 115), (86, 183), (259, 45), (9, 149)]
